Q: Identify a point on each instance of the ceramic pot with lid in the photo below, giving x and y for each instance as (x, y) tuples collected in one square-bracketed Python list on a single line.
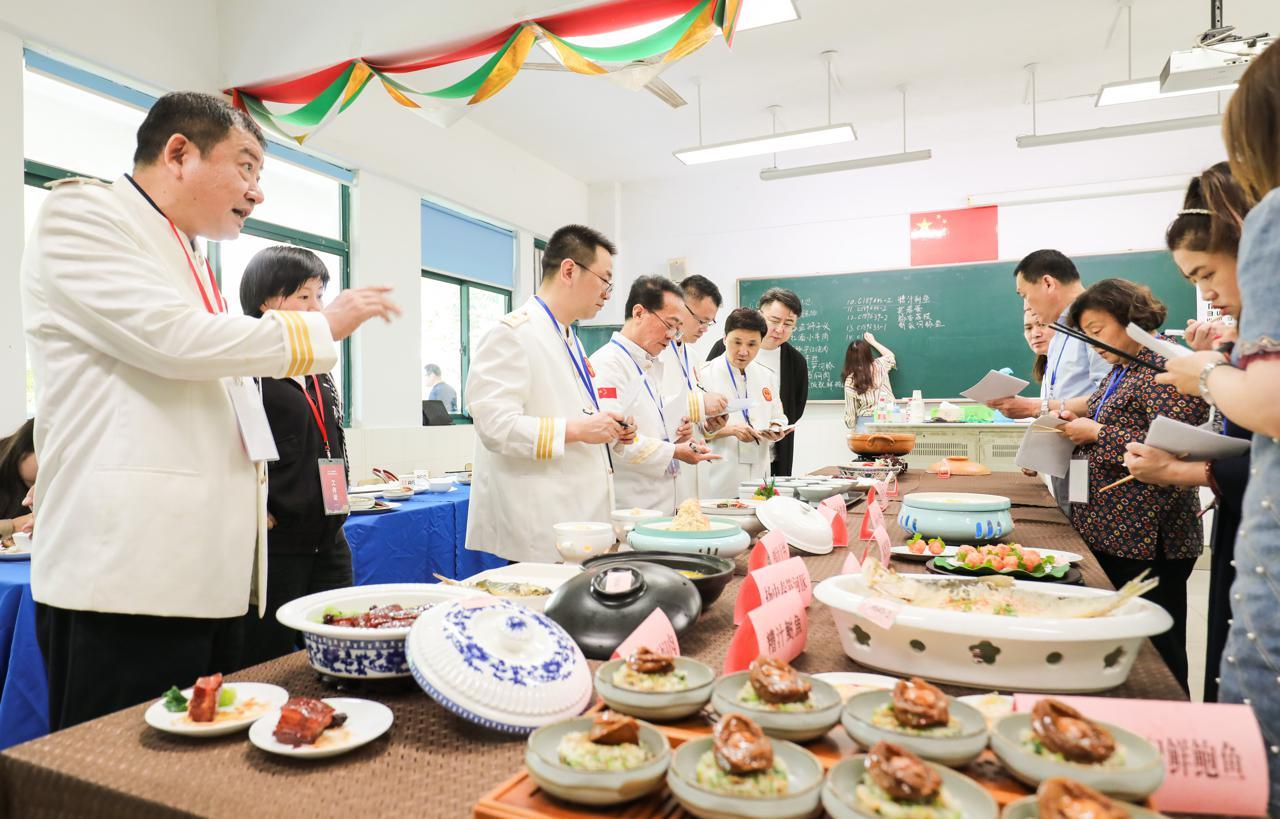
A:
[(881, 443)]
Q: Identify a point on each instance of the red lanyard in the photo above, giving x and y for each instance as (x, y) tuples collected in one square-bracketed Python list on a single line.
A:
[(317, 412), (213, 283)]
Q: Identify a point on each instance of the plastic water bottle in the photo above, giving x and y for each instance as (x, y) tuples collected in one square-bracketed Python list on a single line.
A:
[(916, 414)]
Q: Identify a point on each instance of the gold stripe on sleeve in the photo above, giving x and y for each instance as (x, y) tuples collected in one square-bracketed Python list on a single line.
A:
[(290, 341), (307, 352)]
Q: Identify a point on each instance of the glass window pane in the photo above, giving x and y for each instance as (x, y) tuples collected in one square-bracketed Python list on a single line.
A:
[(485, 309), (300, 199), (442, 332), (77, 130)]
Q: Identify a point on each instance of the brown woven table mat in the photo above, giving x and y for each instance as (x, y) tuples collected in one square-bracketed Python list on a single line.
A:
[(430, 763)]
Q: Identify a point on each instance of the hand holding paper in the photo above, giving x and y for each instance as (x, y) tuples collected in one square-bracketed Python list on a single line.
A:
[(1043, 451), (994, 385)]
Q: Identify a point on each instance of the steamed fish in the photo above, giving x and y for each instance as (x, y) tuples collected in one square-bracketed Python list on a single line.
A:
[(500, 588), (996, 595)]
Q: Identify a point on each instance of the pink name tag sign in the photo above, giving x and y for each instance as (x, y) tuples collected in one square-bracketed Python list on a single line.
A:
[(771, 582), (769, 549), (777, 629), (836, 514), (655, 633), (1215, 760), (884, 549)]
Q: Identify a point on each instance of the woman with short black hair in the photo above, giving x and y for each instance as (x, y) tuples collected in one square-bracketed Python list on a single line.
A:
[(307, 551)]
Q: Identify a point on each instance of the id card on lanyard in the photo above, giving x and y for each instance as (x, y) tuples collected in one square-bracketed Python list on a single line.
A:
[(246, 399), (333, 473), (748, 451), (674, 466)]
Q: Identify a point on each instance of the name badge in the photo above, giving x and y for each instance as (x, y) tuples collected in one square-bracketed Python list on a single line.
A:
[(1078, 482), (255, 430), (333, 486)]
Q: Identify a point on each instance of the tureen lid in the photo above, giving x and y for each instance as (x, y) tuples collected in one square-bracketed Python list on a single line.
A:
[(803, 526), (498, 664), (956, 501)]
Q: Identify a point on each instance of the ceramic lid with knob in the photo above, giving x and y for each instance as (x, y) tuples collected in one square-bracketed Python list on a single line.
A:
[(956, 501), (803, 526), (498, 664)]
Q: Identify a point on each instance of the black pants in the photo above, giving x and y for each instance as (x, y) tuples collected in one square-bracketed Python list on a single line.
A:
[(1171, 595), (291, 575), (98, 662)]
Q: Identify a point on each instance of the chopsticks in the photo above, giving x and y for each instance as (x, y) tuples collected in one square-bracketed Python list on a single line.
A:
[(1114, 484), (1093, 342), (1054, 430)]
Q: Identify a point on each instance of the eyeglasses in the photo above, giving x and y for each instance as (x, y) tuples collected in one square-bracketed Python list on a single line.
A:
[(608, 285), (777, 322), (704, 322), (675, 332)]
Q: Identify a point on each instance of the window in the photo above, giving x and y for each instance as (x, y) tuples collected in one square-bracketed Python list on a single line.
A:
[(456, 314), (307, 199)]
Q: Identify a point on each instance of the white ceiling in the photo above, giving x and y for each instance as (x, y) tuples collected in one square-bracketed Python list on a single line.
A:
[(953, 56)]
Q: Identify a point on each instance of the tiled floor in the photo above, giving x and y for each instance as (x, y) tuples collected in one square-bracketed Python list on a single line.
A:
[(1197, 619)]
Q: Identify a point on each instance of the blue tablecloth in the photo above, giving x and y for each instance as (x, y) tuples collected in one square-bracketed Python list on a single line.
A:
[(24, 696)]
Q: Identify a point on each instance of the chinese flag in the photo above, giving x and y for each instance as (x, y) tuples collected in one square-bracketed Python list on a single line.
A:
[(952, 236)]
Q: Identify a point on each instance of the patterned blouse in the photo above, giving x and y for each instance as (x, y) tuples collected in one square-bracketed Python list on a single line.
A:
[(1137, 520), (863, 405)]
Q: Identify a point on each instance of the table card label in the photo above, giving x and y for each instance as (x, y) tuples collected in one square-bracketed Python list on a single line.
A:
[(655, 632), (1215, 760), (776, 629), (882, 494), (839, 532), (882, 613), (766, 584), (864, 530), (769, 549), (893, 486), (883, 546), (852, 563)]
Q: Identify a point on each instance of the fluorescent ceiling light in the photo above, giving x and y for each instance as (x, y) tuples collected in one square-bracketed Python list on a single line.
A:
[(768, 144), (1159, 126), (770, 174), (1090, 190), (761, 13), (1117, 93)]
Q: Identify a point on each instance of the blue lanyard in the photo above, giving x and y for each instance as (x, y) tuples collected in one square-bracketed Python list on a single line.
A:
[(684, 365), (746, 391), (1053, 377), (1112, 386), (662, 415), (579, 361)]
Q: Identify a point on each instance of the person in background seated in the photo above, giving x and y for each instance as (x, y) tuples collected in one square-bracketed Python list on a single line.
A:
[(17, 476), (307, 551), (1134, 527), (744, 442), (1204, 239), (866, 380), (1038, 336), (436, 390)]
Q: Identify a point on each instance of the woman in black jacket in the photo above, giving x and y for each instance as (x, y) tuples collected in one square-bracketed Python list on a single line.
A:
[(306, 549)]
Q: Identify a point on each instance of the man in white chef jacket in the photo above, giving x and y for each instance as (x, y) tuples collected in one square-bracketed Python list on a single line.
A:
[(746, 440), (542, 454), (150, 500), (629, 382), (705, 410)]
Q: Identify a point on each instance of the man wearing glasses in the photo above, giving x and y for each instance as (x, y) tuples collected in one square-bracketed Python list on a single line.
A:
[(781, 309), (629, 383), (543, 452)]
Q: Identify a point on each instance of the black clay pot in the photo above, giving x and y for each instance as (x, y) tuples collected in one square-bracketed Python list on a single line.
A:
[(603, 605), (716, 571)]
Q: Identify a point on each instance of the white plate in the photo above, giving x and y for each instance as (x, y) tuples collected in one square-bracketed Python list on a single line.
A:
[(551, 575), (992, 705), (366, 721), (377, 510), (371, 489), (709, 507), (947, 551), (849, 683), (801, 524), (268, 697)]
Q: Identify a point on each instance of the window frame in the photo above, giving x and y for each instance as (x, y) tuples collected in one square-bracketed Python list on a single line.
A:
[(464, 327)]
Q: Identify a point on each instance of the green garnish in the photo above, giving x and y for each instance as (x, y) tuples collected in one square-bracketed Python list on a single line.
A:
[(174, 701), (226, 696)]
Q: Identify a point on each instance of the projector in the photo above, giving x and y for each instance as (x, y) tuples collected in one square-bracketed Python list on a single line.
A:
[(1210, 66)]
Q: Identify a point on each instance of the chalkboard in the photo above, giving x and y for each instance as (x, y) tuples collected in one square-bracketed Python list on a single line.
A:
[(946, 325), (595, 336)]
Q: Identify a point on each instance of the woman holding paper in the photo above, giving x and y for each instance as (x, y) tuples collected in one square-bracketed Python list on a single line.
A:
[(1133, 527), (1247, 390), (1204, 240), (866, 380)]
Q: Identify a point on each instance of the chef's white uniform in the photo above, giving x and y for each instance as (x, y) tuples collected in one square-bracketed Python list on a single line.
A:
[(680, 381), (740, 461)]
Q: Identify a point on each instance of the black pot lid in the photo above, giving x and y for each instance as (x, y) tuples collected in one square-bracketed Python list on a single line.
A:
[(603, 605)]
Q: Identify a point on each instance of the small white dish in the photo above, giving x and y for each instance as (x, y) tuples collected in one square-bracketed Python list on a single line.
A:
[(578, 540), (366, 721), (849, 683), (993, 705), (440, 485), (548, 575), (252, 701)]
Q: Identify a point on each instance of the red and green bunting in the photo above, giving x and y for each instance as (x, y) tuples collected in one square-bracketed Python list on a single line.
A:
[(322, 95)]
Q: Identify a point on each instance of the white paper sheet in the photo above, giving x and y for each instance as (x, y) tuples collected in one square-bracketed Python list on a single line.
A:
[(1043, 450), (1192, 443), (1156, 345), (994, 385), (736, 405)]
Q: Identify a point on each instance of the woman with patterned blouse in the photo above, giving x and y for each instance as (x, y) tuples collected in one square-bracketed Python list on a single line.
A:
[(1134, 527)]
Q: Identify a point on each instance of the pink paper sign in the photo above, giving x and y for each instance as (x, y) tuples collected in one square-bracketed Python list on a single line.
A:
[(882, 494), (883, 547), (1214, 758), (769, 549), (839, 532), (778, 629), (768, 583), (852, 563), (883, 613), (655, 633)]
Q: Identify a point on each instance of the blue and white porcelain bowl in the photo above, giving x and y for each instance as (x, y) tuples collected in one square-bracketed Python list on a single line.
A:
[(961, 516), (361, 653), (498, 664)]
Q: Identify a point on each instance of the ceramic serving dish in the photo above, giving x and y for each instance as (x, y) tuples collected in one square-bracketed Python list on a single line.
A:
[(956, 751), (709, 573), (499, 665), (840, 798), (1029, 808), (548, 575), (578, 540), (881, 443), (722, 542), (542, 758), (958, 516), (624, 520), (1139, 772), (796, 726), (657, 705), (803, 526), (989, 651), (361, 653), (799, 802)]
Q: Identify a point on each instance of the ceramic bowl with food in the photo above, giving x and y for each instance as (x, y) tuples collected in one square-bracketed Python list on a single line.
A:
[(796, 722), (1133, 773), (1029, 808), (841, 798), (813, 493), (578, 540), (709, 573), (624, 520), (619, 690), (529, 584), (361, 653), (958, 743), (397, 494), (799, 801), (558, 769)]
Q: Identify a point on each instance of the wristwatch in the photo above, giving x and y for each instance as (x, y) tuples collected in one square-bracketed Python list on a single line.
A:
[(1044, 405), (1204, 380)]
